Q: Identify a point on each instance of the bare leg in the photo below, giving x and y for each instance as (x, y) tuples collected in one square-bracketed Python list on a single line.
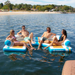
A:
[(21, 44), (31, 45), (26, 46), (31, 36), (54, 41), (40, 44), (47, 41), (48, 45)]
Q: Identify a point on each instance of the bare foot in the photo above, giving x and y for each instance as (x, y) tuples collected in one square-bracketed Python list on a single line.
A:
[(30, 52), (33, 48), (45, 47), (38, 48), (30, 49)]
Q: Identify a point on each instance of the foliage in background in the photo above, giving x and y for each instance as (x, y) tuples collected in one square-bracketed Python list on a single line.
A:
[(28, 7)]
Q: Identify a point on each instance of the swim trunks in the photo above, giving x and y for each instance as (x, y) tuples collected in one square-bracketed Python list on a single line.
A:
[(27, 39), (43, 38)]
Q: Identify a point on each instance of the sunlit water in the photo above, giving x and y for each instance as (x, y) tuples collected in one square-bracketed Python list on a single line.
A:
[(39, 62)]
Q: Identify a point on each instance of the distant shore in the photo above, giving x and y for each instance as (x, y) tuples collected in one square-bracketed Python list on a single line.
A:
[(27, 12)]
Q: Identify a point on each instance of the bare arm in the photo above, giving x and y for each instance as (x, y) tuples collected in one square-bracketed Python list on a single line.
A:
[(8, 38), (27, 32), (43, 34), (19, 32), (53, 34)]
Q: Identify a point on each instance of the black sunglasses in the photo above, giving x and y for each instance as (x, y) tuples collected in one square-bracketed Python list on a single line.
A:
[(13, 31)]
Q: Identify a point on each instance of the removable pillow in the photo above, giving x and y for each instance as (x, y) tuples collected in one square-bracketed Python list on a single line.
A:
[(67, 42), (8, 42)]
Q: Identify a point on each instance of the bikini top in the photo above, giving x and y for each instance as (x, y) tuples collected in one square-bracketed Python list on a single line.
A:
[(13, 37)]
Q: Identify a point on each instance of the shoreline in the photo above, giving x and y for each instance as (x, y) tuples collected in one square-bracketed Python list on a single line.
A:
[(30, 12), (26, 12)]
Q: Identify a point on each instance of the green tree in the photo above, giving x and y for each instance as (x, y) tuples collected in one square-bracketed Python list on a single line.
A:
[(1, 5), (47, 8), (27, 7), (34, 6), (65, 7), (5, 7), (8, 4)]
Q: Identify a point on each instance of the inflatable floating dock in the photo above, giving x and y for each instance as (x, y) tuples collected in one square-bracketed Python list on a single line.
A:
[(64, 47)]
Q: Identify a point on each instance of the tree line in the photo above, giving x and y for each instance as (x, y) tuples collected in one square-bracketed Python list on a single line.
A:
[(28, 7)]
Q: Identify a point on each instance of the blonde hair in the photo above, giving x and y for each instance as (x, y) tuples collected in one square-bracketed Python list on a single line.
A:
[(11, 31)]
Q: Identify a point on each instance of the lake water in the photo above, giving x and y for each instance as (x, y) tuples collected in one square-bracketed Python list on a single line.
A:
[(39, 62)]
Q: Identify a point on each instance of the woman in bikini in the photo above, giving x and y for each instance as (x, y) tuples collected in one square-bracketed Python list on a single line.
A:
[(60, 41), (14, 42)]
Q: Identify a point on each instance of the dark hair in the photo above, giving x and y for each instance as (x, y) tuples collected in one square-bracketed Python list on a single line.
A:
[(49, 29), (23, 26), (65, 32)]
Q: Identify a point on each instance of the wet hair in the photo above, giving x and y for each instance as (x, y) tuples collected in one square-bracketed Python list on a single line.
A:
[(49, 29), (23, 26), (65, 32)]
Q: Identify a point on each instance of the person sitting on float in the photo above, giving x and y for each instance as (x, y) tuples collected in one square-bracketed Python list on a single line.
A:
[(14, 42), (60, 41)]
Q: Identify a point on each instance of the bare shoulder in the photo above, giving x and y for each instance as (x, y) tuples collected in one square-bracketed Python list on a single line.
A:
[(26, 30), (8, 36), (51, 33), (64, 36), (45, 32), (20, 30)]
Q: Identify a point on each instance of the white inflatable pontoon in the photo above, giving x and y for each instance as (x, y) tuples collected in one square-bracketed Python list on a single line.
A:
[(64, 47)]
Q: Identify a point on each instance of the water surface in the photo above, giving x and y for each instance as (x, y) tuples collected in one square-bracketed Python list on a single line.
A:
[(39, 62)]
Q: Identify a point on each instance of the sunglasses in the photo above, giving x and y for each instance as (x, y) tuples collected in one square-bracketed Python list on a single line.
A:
[(48, 30), (13, 31)]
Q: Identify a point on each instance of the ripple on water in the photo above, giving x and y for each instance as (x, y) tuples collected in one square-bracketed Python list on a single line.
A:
[(39, 62)]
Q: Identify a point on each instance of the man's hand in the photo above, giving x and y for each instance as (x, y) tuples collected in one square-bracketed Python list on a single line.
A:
[(21, 35)]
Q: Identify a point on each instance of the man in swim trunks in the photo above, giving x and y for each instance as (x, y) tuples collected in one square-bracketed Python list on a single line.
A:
[(45, 37), (27, 38)]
